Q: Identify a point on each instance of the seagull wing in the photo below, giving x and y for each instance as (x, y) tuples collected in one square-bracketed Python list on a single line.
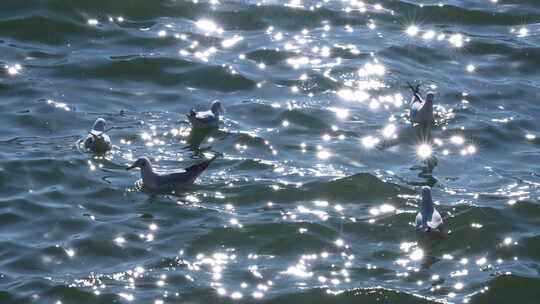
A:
[(88, 141), (417, 108), (419, 220), (206, 118), (201, 166), (172, 180), (436, 220)]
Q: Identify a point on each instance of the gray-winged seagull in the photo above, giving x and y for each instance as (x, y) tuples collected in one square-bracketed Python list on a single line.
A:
[(97, 140), (421, 110), (169, 181), (428, 219), (206, 119)]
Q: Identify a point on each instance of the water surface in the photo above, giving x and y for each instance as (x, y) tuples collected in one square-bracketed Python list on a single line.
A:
[(315, 195)]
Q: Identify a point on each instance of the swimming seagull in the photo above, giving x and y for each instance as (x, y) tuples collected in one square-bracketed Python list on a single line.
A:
[(421, 110), (97, 140), (171, 181), (206, 119), (428, 219)]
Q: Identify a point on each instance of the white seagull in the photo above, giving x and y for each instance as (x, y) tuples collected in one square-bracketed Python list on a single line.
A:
[(207, 119), (428, 219), (97, 140), (421, 110), (169, 181)]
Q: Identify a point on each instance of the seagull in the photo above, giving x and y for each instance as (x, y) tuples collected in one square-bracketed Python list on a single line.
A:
[(428, 219), (170, 181), (206, 119), (97, 140), (421, 110)]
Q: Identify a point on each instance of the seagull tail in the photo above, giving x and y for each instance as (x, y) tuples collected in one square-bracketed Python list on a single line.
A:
[(201, 166), (416, 91)]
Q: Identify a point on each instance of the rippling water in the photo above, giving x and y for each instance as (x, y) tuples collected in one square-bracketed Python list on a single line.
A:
[(315, 195)]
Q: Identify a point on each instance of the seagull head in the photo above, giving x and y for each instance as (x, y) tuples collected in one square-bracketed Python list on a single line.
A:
[(98, 129), (99, 125), (430, 97), (217, 107), (142, 163)]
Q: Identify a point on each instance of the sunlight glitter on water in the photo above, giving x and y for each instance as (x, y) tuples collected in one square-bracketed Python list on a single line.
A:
[(127, 296), (369, 142), (530, 136), (457, 140), (412, 30), (456, 40), (13, 69), (372, 69), (523, 32), (209, 26), (70, 252), (428, 35), (340, 112), (351, 95), (231, 41), (424, 151), (324, 155), (383, 208), (297, 57), (59, 105), (417, 254), (389, 131)]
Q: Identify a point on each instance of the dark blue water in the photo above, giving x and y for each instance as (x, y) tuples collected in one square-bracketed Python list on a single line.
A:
[(315, 195)]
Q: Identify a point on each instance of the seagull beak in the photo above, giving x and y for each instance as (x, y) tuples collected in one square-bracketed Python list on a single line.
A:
[(131, 167)]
